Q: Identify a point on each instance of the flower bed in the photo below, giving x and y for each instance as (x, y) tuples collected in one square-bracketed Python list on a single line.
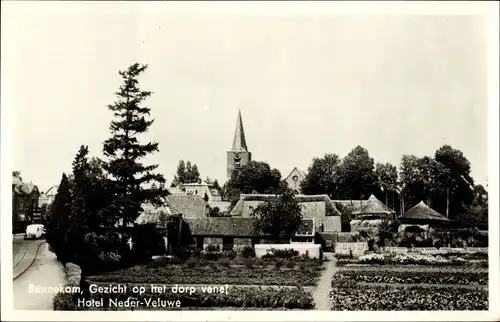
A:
[(381, 298), (410, 277), (251, 297), (412, 259), (172, 274)]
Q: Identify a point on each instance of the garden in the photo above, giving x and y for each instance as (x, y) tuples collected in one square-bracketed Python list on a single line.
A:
[(280, 280), (385, 282)]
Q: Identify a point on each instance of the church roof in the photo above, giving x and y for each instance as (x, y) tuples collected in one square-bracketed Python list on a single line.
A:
[(300, 172), (239, 141)]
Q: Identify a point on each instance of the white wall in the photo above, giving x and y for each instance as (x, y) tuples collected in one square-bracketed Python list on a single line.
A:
[(312, 249)]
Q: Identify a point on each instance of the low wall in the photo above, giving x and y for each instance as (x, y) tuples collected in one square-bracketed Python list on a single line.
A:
[(312, 249)]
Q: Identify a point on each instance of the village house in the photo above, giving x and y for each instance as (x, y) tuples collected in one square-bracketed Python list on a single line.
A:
[(25, 196)]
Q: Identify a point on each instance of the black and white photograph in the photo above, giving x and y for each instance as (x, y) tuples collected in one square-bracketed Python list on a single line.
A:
[(295, 160)]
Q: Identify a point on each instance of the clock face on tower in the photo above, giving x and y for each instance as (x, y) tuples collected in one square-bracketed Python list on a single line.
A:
[(237, 156)]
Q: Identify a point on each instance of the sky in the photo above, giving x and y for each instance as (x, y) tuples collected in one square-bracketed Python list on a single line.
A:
[(306, 84)]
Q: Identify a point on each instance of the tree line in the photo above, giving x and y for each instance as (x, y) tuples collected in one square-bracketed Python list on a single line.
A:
[(442, 181)]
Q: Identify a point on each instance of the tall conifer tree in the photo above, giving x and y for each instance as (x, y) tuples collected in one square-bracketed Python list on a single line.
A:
[(128, 174)]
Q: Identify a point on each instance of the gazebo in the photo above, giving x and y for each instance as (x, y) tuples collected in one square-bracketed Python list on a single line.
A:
[(423, 216), (373, 209), (371, 215)]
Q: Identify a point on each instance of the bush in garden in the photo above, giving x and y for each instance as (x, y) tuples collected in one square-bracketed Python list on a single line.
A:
[(289, 263), (284, 253), (191, 262), (278, 263), (224, 262), (247, 252), (248, 262), (213, 248), (231, 254), (159, 262)]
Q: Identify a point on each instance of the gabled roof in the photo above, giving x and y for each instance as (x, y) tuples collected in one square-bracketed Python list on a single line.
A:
[(347, 207), (239, 141), (300, 172), (52, 190), (423, 212), (24, 188), (222, 226), (191, 206), (330, 208), (373, 206)]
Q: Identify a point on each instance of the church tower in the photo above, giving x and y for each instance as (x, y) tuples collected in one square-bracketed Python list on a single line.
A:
[(239, 154)]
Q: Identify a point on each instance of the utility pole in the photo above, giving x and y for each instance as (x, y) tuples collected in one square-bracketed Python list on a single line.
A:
[(447, 202)]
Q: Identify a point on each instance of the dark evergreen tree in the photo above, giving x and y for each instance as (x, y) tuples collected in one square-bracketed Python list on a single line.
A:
[(60, 211), (128, 175)]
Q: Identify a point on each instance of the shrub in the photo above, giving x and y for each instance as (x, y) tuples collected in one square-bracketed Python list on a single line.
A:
[(247, 252), (278, 263), (64, 302), (248, 262), (159, 262), (284, 253), (224, 262), (289, 263), (191, 263), (231, 254), (213, 248)]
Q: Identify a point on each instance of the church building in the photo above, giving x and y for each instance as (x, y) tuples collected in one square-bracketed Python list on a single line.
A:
[(239, 154)]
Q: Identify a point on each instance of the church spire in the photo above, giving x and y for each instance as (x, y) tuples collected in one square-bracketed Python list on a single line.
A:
[(239, 141)]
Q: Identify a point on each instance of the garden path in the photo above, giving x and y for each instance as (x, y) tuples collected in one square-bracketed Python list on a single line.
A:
[(322, 293)]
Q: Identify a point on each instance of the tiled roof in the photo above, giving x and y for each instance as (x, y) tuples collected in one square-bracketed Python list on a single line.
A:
[(222, 226), (153, 214), (330, 208), (422, 211), (373, 206), (191, 206), (222, 205), (348, 207)]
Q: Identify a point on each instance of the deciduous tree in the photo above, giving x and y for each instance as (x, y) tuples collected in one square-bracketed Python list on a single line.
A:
[(279, 216), (322, 176)]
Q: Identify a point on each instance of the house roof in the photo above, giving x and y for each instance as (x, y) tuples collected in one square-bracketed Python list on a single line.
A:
[(330, 208), (222, 205), (52, 190), (222, 226), (423, 212), (25, 188), (347, 207), (373, 206), (191, 206)]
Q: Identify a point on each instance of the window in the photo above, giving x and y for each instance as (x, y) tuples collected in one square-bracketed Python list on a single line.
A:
[(227, 243)]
